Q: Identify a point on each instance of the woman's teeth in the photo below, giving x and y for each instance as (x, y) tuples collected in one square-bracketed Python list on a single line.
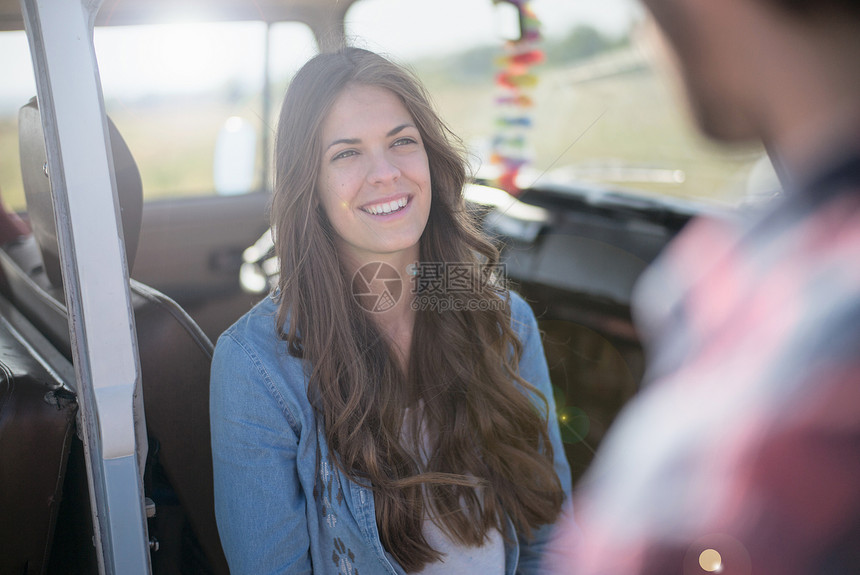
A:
[(387, 207)]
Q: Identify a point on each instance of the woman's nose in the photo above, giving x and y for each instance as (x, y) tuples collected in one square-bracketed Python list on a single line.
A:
[(382, 169)]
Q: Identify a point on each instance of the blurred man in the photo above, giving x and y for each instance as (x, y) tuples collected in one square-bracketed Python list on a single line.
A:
[(742, 453)]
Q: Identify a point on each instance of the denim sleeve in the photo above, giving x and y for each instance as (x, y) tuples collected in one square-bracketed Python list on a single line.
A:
[(533, 368), (259, 502)]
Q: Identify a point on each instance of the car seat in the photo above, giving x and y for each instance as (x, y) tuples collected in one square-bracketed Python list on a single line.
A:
[(175, 354)]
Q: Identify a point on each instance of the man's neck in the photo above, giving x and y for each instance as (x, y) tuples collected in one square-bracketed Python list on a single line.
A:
[(810, 104), (807, 147)]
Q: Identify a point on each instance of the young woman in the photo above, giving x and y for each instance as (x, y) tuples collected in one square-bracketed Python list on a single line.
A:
[(359, 426)]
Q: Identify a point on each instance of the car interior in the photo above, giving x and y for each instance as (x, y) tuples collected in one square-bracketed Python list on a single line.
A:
[(592, 349), (574, 251), (175, 355)]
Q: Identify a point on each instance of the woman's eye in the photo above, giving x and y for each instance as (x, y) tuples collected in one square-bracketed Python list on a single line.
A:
[(404, 141), (344, 154)]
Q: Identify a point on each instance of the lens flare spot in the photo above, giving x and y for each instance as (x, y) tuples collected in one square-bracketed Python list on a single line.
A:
[(573, 423), (711, 561)]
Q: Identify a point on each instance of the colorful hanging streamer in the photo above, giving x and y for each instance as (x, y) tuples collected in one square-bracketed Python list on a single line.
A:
[(510, 150), (521, 101)]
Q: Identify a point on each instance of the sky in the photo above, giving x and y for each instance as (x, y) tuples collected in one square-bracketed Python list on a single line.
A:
[(453, 25), (189, 57)]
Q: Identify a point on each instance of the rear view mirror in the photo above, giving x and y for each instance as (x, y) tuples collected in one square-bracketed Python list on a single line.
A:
[(507, 20)]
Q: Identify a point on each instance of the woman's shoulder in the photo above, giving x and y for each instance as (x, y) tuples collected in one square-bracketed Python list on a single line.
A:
[(519, 307), (257, 327), (253, 343), (253, 376), (522, 317)]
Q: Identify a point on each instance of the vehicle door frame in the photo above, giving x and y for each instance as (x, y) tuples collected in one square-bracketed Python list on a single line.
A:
[(95, 276)]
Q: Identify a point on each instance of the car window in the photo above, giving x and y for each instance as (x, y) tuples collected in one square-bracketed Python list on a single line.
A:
[(183, 94), (601, 110), (173, 90)]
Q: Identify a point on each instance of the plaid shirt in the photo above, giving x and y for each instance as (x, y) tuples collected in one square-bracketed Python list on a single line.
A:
[(746, 440)]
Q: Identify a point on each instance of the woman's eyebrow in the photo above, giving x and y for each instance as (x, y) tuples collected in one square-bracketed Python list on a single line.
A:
[(354, 141), (348, 141), (398, 129)]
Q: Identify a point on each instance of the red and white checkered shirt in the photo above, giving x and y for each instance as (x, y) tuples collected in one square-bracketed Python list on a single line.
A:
[(742, 453)]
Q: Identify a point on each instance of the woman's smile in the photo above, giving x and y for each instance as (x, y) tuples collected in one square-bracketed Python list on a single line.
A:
[(387, 207)]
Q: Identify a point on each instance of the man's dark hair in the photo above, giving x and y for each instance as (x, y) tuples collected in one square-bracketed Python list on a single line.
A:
[(813, 8)]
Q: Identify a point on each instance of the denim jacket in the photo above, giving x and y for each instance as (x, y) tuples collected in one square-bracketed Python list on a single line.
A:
[(282, 506)]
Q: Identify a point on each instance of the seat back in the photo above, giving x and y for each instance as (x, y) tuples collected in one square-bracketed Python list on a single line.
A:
[(37, 190), (175, 354)]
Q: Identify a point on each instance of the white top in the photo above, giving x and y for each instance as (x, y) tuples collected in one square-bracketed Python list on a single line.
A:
[(488, 559)]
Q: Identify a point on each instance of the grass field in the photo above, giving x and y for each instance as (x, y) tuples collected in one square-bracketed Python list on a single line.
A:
[(597, 128), (611, 129)]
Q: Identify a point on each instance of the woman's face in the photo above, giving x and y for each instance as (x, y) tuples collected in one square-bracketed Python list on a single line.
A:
[(374, 182)]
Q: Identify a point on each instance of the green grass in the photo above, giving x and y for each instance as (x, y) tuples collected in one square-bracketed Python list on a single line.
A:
[(630, 120), (173, 146), (11, 186)]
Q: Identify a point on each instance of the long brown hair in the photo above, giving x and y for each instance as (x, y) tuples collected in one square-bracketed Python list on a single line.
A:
[(478, 447)]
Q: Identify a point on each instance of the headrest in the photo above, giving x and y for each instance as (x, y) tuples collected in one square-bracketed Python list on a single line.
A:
[(37, 190)]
